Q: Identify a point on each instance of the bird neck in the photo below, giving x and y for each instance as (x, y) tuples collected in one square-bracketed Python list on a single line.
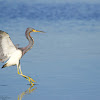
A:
[(31, 42)]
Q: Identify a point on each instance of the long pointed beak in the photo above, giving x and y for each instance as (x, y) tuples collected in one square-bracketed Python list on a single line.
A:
[(38, 31)]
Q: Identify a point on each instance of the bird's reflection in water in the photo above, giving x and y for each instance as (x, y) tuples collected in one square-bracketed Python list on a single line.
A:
[(28, 91)]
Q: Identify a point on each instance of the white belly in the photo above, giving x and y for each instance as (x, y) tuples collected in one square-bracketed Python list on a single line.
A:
[(15, 57)]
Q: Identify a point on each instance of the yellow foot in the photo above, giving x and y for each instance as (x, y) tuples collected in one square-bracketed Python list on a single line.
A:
[(29, 79), (31, 84)]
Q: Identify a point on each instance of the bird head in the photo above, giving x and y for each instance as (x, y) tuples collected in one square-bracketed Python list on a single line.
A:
[(33, 30)]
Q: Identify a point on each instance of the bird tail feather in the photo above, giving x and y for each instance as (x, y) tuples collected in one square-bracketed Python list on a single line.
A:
[(4, 65)]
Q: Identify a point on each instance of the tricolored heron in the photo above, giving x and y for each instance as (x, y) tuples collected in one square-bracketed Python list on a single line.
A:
[(12, 53)]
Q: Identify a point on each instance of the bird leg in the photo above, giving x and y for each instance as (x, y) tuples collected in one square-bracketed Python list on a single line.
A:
[(27, 77)]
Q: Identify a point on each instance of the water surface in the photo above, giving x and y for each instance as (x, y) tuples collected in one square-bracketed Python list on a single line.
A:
[(64, 61)]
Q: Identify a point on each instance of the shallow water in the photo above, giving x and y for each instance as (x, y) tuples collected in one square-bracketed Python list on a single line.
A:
[(64, 61)]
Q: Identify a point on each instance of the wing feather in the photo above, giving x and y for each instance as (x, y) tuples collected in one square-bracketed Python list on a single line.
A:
[(7, 48)]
